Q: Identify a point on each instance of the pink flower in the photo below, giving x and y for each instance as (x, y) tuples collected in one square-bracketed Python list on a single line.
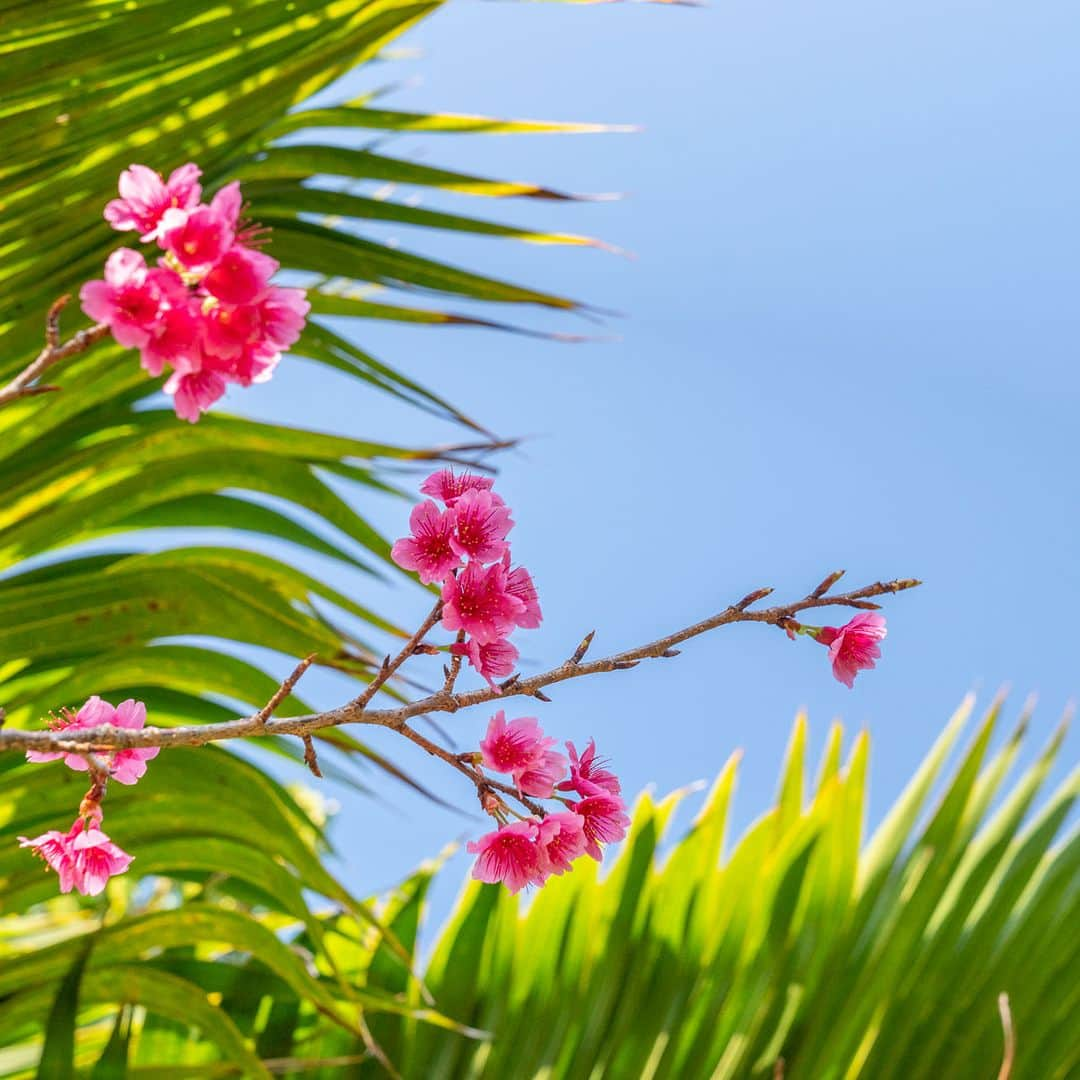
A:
[(477, 601), (240, 275), (194, 392), (83, 858), (605, 821), (254, 365), (283, 313), (495, 660), (447, 487), (175, 341), (854, 646), (561, 839), (429, 551), (144, 198), (97, 859), (519, 583), (481, 523), (129, 299), (55, 848), (588, 775), (510, 855), (513, 747), (125, 766), (197, 239), (539, 778)]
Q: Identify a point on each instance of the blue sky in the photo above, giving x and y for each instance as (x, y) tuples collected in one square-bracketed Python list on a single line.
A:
[(849, 341)]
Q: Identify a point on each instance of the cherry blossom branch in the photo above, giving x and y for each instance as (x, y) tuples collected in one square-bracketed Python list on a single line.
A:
[(25, 383), (108, 738)]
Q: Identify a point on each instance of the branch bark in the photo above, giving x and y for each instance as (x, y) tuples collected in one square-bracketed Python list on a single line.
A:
[(107, 737)]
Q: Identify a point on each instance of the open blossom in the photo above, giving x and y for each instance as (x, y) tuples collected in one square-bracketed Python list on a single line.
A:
[(130, 297), (515, 746), (477, 601), (510, 855), (588, 775), (448, 486), (519, 583), (175, 339), (193, 392), (854, 646), (83, 858), (240, 275), (197, 239), (145, 197), (125, 766), (561, 839), (605, 821), (494, 660), (429, 551), (481, 522)]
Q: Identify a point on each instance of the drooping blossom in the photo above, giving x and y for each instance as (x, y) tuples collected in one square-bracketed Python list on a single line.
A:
[(494, 660), (515, 746), (519, 583), (605, 821), (510, 855), (561, 839), (448, 486), (193, 392), (481, 523), (130, 297), (83, 858), (429, 550), (477, 601), (97, 859), (145, 197), (540, 777), (588, 775), (854, 646), (125, 766)]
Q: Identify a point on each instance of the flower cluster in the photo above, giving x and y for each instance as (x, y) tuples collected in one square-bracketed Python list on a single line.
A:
[(84, 857), (529, 851), (462, 546), (207, 310)]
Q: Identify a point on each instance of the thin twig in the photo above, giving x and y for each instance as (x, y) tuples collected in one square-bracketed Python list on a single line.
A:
[(107, 737), (285, 689), (1009, 1037), (53, 353), (311, 759), (390, 666)]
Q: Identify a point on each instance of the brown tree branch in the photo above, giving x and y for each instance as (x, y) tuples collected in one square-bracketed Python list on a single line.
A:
[(107, 737), (23, 385)]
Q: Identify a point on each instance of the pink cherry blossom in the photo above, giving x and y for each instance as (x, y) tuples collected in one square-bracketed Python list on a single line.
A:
[(510, 855), (588, 775), (283, 312), (97, 859), (429, 551), (481, 522), (129, 299), (255, 364), (56, 849), (515, 746), (854, 646), (495, 660), (477, 601), (541, 775), (125, 766), (228, 329), (145, 197), (519, 583), (197, 239), (175, 340), (240, 275), (194, 392), (605, 821), (561, 839), (447, 486)]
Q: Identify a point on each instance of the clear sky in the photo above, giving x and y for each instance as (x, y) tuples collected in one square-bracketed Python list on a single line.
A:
[(849, 341)]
